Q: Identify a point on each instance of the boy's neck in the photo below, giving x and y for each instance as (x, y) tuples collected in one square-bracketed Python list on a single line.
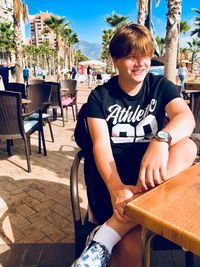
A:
[(130, 88)]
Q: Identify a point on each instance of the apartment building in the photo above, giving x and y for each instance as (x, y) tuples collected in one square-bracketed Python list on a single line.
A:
[(6, 11), (38, 34)]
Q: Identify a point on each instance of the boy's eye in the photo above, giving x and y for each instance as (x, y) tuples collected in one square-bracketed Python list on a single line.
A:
[(131, 57)]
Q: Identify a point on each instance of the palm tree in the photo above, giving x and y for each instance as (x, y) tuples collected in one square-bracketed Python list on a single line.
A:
[(73, 39), (6, 40), (20, 11), (105, 55), (65, 33), (55, 24), (197, 23), (161, 44), (184, 28), (78, 57), (116, 20), (194, 49), (145, 18), (172, 37), (144, 12)]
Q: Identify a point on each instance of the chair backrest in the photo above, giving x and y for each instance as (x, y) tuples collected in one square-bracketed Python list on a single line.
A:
[(70, 85), (36, 81), (11, 123), (195, 107), (17, 87), (40, 95), (55, 94)]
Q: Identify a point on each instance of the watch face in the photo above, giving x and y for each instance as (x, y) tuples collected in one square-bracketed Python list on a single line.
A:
[(163, 135)]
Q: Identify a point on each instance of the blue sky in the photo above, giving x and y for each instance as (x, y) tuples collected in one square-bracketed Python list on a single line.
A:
[(88, 16)]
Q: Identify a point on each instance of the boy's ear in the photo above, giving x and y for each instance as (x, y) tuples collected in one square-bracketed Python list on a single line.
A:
[(114, 59)]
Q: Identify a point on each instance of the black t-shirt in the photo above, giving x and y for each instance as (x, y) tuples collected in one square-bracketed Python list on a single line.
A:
[(132, 119)]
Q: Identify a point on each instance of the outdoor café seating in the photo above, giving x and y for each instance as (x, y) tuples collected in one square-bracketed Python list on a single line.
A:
[(13, 126), (17, 87), (69, 96), (40, 96), (56, 100)]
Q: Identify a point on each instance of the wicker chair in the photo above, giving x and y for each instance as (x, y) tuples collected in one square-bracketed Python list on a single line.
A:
[(40, 95), (36, 81), (17, 87), (13, 126), (56, 100), (69, 98)]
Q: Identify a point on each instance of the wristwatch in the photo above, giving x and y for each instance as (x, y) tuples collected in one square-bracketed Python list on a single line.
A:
[(163, 136)]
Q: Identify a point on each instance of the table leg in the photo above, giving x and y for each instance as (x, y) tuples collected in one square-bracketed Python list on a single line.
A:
[(147, 237)]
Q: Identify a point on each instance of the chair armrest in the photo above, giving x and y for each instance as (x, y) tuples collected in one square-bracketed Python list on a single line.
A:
[(74, 187), (45, 105), (27, 114)]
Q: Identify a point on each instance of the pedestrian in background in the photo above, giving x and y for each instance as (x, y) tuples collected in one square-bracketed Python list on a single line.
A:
[(182, 73), (74, 72), (89, 74), (26, 75), (4, 72)]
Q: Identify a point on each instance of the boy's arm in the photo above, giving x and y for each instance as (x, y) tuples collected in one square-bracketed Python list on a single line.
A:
[(107, 167), (153, 168)]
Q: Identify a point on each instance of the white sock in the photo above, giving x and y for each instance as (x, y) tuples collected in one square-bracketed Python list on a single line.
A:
[(107, 237)]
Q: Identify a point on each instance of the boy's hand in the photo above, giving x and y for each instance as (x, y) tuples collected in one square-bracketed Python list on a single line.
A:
[(153, 169), (120, 197)]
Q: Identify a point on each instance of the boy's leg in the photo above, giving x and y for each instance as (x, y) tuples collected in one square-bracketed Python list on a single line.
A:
[(128, 251)]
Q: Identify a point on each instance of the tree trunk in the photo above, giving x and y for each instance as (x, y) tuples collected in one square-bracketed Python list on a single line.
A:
[(142, 11), (172, 38), (18, 52)]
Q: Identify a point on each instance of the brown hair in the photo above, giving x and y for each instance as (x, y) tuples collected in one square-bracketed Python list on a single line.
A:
[(131, 37)]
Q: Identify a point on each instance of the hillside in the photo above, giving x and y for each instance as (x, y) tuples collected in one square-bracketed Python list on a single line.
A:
[(91, 50)]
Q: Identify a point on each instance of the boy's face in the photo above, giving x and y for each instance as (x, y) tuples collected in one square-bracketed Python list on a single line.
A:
[(133, 68)]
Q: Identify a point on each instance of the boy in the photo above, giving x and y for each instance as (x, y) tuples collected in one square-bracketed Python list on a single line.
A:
[(134, 149)]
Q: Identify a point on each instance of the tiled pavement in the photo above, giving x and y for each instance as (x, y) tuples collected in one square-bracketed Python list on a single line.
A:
[(35, 207)]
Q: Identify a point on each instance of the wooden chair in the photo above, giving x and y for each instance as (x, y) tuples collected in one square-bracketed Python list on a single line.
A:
[(56, 100), (40, 96), (13, 126), (69, 98)]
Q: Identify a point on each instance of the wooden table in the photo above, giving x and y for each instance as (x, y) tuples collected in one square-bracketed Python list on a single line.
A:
[(172, 209)]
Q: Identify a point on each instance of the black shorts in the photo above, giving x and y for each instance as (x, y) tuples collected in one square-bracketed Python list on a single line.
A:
[(97, 192)]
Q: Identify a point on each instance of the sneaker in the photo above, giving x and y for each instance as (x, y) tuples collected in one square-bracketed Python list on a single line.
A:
[(94, 254)]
